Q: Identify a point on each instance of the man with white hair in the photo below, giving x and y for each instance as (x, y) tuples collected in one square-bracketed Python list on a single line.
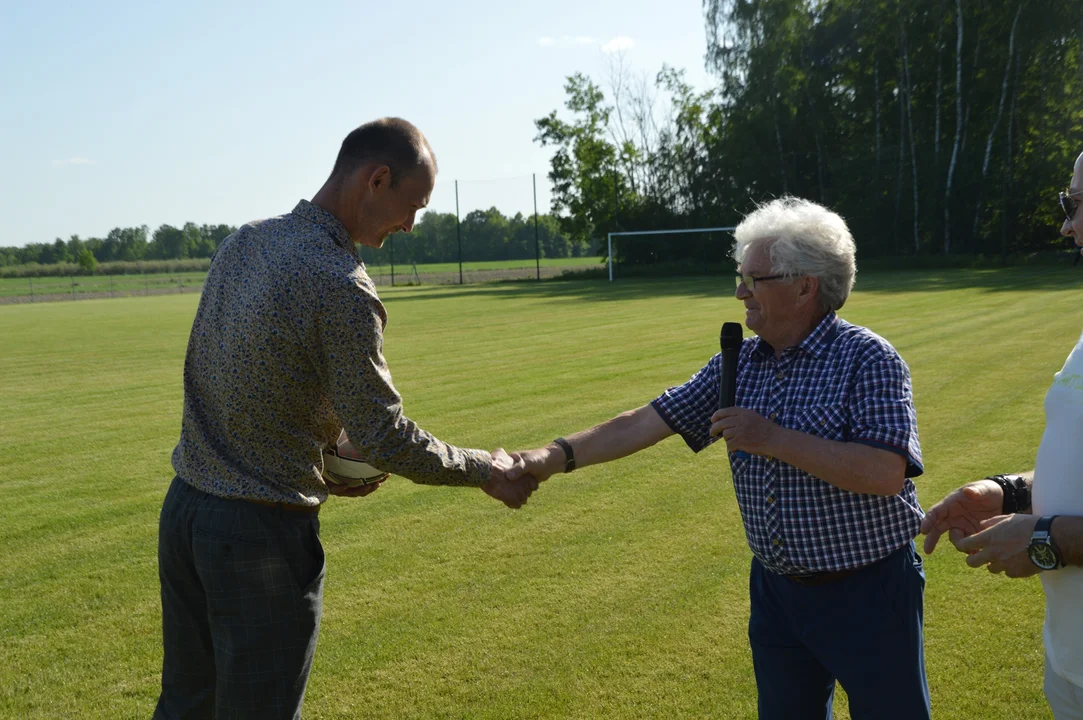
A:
[(822, 444)]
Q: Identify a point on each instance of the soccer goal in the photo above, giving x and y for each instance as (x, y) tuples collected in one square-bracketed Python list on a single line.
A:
[(645, 254)]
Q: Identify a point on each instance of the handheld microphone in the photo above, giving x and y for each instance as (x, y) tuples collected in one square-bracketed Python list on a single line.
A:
[(730, 340)]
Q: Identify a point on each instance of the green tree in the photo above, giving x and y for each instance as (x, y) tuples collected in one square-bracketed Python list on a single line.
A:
[(168, 243), (87, 261), (587, 188)]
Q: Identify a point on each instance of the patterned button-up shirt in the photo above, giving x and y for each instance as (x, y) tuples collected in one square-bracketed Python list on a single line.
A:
[(287, 350), (842, 383)]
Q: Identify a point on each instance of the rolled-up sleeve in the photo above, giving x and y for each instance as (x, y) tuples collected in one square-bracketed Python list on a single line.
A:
[(687, 409), (348, 354), (882, 410)]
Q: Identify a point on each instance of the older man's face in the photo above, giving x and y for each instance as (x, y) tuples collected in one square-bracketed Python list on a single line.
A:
[(770, 305)]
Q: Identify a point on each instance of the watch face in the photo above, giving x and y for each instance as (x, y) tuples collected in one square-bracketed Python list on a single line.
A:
[(1043, 556)]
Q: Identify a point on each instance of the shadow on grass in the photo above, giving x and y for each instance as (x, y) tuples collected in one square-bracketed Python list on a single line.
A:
[(1012, 279)]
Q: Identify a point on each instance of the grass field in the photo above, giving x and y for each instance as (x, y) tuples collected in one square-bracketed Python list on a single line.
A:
[(617, 592), (155, 283), (152, 283), (572, 263)]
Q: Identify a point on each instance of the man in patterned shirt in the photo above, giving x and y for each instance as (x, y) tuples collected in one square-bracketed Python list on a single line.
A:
[(822, 445), (286, 350)]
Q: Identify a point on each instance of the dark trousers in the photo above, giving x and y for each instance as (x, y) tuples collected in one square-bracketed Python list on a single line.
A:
[(864, 630), (242, 595)]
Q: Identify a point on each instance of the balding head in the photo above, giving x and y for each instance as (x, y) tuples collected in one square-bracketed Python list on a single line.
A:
[(393, 142)]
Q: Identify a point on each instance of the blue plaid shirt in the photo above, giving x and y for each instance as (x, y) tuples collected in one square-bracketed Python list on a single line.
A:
[(844, 383)]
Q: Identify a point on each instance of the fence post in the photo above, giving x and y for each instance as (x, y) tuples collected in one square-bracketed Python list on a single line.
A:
[(72, 287), (180, 284), (31, 289), (146, 282), (458, 232), (537, 242), (110, 286)]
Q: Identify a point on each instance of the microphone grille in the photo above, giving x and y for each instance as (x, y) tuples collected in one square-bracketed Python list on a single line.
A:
[(732, 335)]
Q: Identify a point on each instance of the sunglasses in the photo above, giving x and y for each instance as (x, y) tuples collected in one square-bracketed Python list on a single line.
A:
[(1069, 204)]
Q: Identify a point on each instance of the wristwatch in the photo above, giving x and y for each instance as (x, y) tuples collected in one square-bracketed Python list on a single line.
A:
[(1042, 550)]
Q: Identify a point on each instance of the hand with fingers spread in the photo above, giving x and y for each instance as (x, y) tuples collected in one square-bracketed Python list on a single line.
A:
[(507, 481), (1002, 543), (962, 513)]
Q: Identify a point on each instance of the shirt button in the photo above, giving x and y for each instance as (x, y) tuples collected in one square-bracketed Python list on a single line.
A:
[(770, 499), (781, 375), (778, 542), (773, 416)]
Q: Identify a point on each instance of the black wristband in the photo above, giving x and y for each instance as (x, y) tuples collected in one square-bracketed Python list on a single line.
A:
[(569, 456), (1016, 493)]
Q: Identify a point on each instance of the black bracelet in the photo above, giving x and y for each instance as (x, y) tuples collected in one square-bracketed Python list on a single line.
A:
[(1016, 493), (569, 456)]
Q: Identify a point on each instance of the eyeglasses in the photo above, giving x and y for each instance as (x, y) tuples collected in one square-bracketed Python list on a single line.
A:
[(1069, 204), (749, 281)]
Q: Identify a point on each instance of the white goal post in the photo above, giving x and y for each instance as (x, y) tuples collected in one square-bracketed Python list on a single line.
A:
[(657, 232)]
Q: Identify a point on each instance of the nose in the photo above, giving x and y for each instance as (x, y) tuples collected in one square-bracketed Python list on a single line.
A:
[(1066, 229), (409, 224), (742, 292)]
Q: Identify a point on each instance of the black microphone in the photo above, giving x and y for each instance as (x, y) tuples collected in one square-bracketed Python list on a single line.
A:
[(731, 338)]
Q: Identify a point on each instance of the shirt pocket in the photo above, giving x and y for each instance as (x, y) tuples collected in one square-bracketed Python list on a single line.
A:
[(830, 422)]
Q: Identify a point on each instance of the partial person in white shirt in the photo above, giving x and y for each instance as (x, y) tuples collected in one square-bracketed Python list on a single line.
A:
[(1030, 524)]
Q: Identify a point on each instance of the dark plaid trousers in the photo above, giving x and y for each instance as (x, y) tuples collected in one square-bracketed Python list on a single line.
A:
[(242, 595)]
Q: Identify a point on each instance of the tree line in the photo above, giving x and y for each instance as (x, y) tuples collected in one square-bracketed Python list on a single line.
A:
[(485, 234), (122, 245), (932, 126)]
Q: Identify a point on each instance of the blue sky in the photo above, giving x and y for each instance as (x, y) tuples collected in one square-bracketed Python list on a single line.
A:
[(131, 113)]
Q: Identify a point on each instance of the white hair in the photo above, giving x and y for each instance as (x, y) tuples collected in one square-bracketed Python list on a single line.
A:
[(802, 238)]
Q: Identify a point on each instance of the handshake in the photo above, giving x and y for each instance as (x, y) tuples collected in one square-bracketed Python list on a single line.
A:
[(512, 478)]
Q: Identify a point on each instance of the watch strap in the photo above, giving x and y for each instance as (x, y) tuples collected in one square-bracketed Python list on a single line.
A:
[(1016, 493), (1043, 537), (569, 456)]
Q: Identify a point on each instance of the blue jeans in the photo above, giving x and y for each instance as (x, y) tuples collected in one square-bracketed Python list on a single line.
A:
[(864, 630), (242, 595)]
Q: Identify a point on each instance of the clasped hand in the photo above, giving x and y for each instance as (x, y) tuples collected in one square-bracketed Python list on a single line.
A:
[(971, 516), (511, 490), (744, 429)]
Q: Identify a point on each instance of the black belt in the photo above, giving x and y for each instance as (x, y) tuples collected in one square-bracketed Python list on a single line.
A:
[(823, 578)]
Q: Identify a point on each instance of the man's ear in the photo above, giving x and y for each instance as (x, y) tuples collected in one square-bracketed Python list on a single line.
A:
[(810, 290), (379, 178)]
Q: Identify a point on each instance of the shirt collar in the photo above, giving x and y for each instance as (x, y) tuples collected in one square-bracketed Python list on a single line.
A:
[(816, 344), (318, 216)]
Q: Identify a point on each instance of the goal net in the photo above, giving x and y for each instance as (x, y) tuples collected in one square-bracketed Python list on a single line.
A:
[(694, 251)]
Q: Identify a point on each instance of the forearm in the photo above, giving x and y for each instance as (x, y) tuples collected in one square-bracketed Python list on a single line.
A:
[(848, 466), (623, 435), (371, 410), (1067, 534)]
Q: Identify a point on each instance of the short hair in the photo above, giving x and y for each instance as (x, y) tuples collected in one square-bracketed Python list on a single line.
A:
[(803, 238), (389, 141)]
